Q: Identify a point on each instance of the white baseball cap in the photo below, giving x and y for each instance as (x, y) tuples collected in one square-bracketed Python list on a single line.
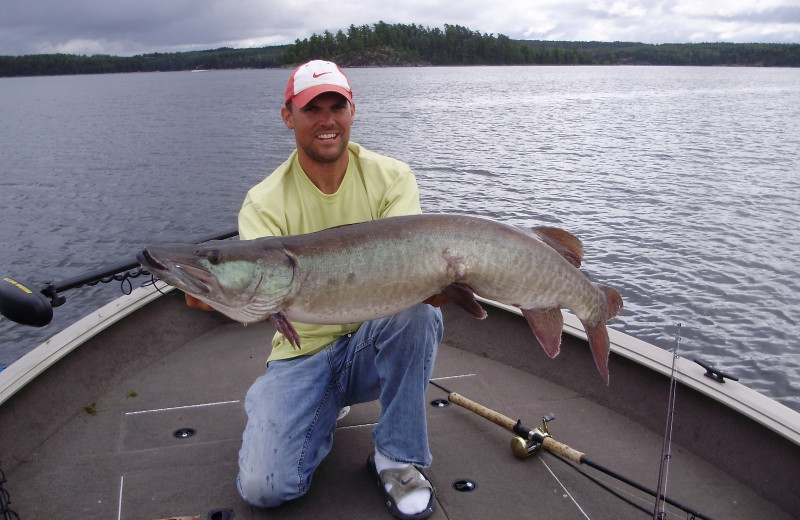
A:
[(311, 79)]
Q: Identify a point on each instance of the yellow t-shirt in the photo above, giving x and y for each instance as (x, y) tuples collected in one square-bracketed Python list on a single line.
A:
[(288, 203)]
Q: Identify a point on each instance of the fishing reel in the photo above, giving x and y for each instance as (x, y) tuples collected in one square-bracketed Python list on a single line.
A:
[(529, 442)]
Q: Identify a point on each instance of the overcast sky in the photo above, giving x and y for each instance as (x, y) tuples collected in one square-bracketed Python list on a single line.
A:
[(129, 27)]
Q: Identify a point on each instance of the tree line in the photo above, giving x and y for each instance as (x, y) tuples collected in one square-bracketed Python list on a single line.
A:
[(383, 44), (401, 44), (60, 64)]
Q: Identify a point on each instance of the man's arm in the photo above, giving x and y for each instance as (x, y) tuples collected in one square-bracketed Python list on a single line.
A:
[(402, 198)]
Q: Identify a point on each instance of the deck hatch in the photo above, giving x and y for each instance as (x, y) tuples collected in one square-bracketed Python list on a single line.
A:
[(465, 485), (184, 433)]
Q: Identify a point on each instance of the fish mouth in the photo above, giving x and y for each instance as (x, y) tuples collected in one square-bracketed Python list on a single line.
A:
[(147, 260), (187, 277)]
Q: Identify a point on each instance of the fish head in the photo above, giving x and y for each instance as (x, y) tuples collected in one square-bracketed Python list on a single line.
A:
[(246, 280)]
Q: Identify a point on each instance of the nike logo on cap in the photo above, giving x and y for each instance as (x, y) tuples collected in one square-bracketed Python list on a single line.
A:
[(318, 74)]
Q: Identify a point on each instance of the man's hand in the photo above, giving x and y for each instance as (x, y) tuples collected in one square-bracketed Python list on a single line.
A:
[(194, 303), (437, 300)]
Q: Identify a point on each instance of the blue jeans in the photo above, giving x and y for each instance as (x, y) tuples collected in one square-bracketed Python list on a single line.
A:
[(292, 408)]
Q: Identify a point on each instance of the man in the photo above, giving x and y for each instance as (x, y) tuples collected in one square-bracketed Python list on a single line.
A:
[(292, 409)]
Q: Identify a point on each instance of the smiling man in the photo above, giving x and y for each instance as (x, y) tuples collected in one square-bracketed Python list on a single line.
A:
[(292, 409)]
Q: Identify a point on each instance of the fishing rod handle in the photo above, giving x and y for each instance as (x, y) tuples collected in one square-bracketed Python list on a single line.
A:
[(559, 448), (486, 413)]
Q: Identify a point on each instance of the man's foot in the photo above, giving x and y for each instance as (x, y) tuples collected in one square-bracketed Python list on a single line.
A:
[(408, 494)]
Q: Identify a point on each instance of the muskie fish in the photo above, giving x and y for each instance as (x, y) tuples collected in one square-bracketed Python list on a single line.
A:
[(365, 271)]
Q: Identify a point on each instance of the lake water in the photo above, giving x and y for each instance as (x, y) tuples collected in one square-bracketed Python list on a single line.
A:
[(683, 183)]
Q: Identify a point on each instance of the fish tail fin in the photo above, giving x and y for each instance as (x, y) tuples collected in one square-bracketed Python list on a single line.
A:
[(598, 333), (598, 342), (547, 325), (565, 243)]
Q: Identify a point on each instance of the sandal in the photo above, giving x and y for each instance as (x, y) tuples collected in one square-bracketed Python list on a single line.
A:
[(404, 481)]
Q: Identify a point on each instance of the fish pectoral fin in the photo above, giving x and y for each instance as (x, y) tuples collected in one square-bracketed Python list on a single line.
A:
[(461, 295), (598, 342), (286, 328), (547, 325), (565, 243)]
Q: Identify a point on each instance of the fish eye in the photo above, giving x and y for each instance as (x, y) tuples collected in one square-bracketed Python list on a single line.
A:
[(214, 256)]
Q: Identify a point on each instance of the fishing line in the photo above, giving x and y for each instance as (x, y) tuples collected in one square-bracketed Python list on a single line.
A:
[(566, 490), (666, 447), (614, 491)]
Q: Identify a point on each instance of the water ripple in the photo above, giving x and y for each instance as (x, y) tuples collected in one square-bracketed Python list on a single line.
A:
[(682, 182)]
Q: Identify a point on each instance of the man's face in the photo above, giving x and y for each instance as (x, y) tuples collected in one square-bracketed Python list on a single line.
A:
[(322, 127)]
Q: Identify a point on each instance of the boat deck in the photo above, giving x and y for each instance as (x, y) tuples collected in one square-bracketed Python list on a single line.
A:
[(125, 461)]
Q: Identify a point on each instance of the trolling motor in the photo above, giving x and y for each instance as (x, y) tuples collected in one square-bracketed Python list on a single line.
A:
[(23, 305), (34, 307)]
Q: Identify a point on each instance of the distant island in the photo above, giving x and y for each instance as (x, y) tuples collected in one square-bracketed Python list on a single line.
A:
[(400, 45)]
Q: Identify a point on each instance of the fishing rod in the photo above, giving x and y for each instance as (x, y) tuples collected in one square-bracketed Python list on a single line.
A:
[(663, 468), (34, 308), (529, 442)]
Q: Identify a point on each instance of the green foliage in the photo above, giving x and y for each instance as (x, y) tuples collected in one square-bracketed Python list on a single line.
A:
[(401, 44), (222, 58), (701, 54), (383, 44), (94, 410)]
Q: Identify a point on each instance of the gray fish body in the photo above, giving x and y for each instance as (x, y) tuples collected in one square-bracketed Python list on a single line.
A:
[(364, 271), (360, 272)]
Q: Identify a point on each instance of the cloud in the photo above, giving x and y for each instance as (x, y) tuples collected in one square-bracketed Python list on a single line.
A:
[(125, 27)]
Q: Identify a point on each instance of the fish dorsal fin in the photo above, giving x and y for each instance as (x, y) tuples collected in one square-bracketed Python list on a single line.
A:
[(567, 244)]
